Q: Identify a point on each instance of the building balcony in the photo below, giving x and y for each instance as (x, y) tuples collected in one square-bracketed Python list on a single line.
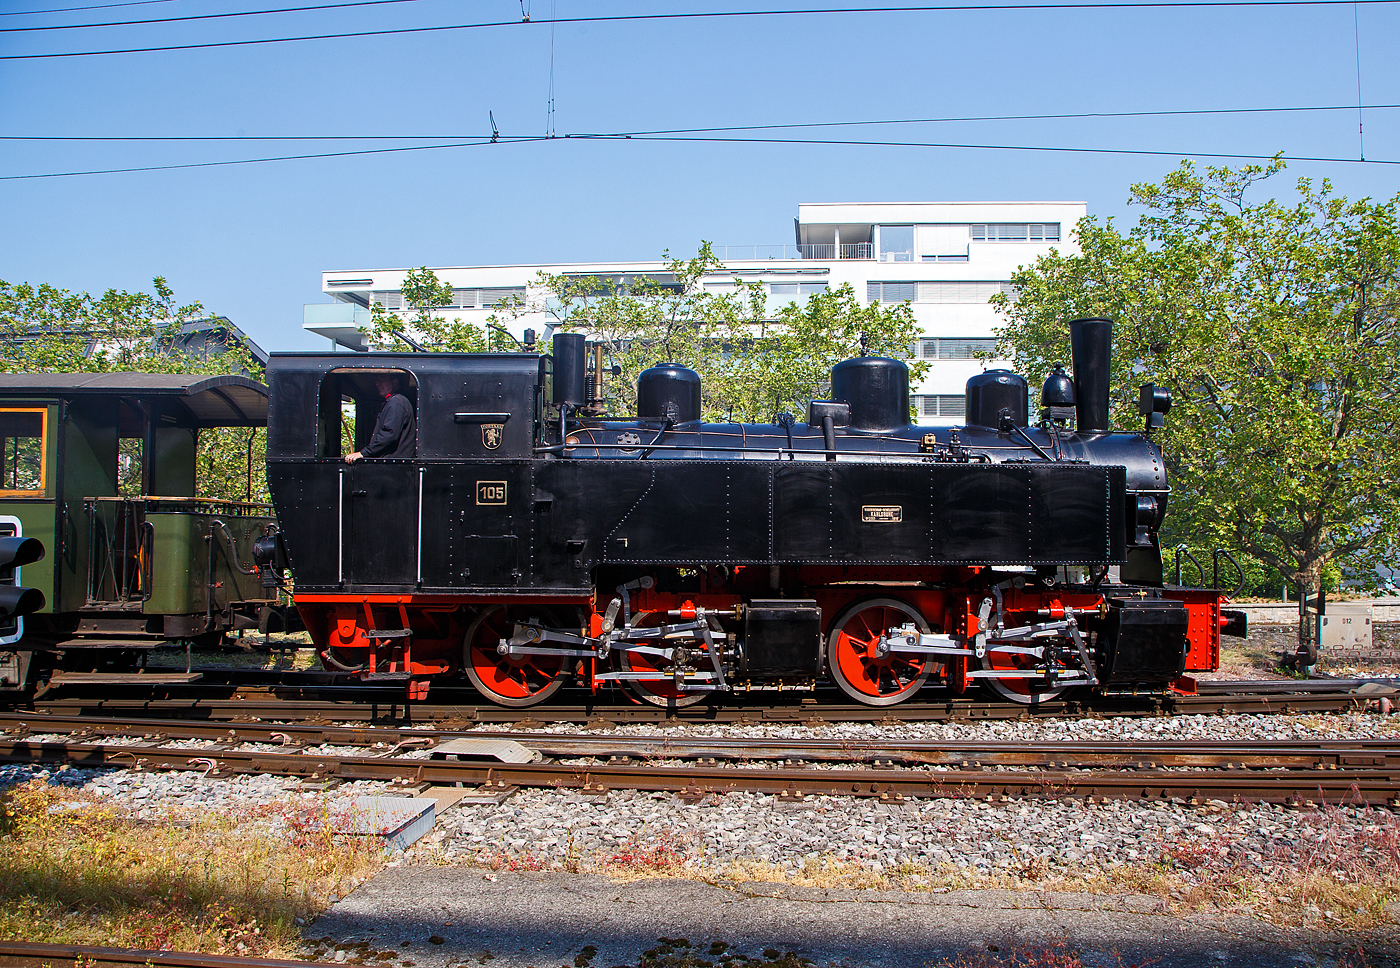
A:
[(338, 322), (823, 251)]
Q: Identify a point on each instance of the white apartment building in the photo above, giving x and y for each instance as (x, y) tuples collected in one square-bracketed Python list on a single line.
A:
[(945, 258)]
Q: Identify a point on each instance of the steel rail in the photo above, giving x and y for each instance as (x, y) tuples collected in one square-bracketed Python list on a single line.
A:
[(371, 708), (1376, 787), (1130, 754), (28, 954)]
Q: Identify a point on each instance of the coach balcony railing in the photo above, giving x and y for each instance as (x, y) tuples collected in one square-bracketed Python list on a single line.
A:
[(826, 251)]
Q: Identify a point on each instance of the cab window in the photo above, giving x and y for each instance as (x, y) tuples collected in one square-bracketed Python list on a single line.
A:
[(22, 452), (349, 406)]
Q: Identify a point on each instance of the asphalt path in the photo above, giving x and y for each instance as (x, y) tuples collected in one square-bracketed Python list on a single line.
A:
[(455, 916)]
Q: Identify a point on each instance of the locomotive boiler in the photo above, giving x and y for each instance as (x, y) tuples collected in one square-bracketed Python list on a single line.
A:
[(531, 543)]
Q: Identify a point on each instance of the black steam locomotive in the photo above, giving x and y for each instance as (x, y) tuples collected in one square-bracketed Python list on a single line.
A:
[(531, 543)]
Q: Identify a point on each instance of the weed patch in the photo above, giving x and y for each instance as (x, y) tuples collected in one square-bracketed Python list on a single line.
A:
[(73, 869)]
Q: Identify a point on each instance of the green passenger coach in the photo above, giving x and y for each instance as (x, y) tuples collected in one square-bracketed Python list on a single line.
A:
[(100, 469)]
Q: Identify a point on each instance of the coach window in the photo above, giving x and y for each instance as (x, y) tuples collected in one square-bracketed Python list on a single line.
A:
[(23, 456), (349, 406)]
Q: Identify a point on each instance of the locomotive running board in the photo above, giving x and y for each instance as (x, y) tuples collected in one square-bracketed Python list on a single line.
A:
[(123, 678)]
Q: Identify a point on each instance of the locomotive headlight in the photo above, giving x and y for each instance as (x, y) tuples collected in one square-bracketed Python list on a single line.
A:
[(265, 549), (1146, 510), (1145, 519)]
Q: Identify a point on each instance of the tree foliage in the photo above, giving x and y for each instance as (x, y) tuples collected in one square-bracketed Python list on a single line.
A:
[(424, 323), (44, 329), (1275, 327), (755, 360)]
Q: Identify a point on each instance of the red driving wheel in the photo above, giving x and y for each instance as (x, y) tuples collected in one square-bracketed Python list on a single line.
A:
[(509, 680), (854, 659)]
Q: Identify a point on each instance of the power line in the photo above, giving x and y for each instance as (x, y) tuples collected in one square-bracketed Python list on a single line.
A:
[(712, 15), (984, 147), (619, 137), (259, 161), (203, 16), (719, 128), (100, 6), (1014, 117), (1360, 129)]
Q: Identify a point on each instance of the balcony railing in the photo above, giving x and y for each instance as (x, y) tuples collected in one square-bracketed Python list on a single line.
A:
[(826, 251)]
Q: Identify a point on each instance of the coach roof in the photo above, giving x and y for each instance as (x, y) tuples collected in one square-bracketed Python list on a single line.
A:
[(211, 401)]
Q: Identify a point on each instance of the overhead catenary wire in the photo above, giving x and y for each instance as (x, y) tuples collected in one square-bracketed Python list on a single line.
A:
[(460, 136), (707, 15), (637, 138), (97, 6), (256, 161), (1360, 118), (549, 112), (203, 16)]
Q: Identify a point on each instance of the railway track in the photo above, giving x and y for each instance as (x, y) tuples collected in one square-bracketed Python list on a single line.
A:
[(319, 696), (21, 954), (1360, 771)]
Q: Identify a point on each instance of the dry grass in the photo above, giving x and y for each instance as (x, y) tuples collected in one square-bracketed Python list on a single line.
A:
[(75, 870), (1056, 955), (1337, 874), (279, 651), (1251, 658)]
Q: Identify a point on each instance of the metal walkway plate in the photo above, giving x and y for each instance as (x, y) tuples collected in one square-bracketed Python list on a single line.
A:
[(500, 750)]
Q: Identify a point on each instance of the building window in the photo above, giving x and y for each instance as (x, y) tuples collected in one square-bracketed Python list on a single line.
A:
[(943, 405), (941, 243), (794, 290), (461, 298), (936, 292), (1016, 232), (491, 298), (896, 243), (956, 348), (962, 292), (22, 452), (890, 292)]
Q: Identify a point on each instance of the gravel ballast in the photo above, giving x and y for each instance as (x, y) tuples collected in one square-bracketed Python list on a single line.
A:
[(924, 844)]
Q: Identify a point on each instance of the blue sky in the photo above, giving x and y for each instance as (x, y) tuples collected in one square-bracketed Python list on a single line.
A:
[(250, 241)]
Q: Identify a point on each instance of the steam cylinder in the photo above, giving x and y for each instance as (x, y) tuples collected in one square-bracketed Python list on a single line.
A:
[(1091, 343), (989, 393), (877, 390), (668, 391), (570, 365)]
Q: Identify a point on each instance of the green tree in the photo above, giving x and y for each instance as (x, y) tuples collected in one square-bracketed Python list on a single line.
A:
[(1275, 327), (44, 329), (425, 324), (754, 360)]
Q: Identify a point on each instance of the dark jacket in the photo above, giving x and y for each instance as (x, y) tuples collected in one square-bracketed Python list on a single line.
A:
[(395, 434)]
